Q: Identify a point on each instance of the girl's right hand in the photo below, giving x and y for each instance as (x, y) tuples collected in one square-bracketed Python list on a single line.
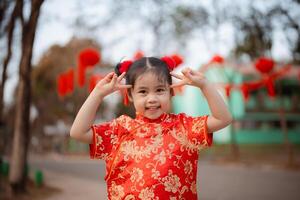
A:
[(111, 83)]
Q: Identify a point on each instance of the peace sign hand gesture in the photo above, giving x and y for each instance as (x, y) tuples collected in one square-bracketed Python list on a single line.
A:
[(111, 83), (190, 77)]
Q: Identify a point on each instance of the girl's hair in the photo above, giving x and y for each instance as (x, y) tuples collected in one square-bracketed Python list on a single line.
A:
[(145, 65)]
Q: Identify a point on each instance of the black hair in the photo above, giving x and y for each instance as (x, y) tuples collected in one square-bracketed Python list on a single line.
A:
[(146, 64)]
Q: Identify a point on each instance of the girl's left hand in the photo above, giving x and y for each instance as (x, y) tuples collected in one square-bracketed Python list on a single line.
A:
[(190, 77)]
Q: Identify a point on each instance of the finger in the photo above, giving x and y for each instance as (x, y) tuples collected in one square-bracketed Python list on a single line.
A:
[(121, 76), (178, 84), (124, 86), (113, 80), (191, 72), (178, 76), (109, 76), (186, 73)]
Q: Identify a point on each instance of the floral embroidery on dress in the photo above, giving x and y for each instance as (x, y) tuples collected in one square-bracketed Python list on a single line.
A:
[(151, 160), (136, 175), (193, 187), (116, 191), (147, 194), (188, 167), (130, 149), (130, 197), (171, 182)]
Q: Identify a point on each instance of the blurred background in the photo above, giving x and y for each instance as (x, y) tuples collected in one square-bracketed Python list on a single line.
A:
[(53, 53)]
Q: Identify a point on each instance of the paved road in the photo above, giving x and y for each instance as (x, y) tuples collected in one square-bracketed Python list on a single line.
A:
[(215, 182)]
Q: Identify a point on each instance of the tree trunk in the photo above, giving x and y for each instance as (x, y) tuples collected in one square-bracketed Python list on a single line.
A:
[(10, 30), (17, 175)]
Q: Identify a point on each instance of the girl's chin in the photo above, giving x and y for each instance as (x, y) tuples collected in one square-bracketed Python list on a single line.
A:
[(153, 115)]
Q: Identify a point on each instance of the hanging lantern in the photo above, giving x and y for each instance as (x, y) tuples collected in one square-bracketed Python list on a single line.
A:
[(89, 57), (228, 88), (81, 74), (254, 85), (93, 81), (270, 87), (70, 80), (264, 65), (61, 87), (138, 55), (217, 59), (65, 83), (245, 91)]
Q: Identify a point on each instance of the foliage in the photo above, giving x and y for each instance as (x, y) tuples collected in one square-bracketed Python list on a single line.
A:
[(49, 105), (258, 27)]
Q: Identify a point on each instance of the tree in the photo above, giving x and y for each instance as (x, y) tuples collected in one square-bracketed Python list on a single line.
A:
[(255, 29), (17, 175), (290, 23), (7, 27), (256, 38), (168, 22), (50, 107)]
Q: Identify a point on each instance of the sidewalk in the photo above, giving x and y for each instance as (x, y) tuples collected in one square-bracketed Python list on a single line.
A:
[(73, 187), (78, 177)]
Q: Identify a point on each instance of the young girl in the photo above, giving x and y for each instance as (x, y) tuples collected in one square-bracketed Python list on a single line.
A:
[(155, 155)]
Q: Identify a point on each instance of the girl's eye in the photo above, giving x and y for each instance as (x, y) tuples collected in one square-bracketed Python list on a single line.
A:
[(160, 90), (142, 91)]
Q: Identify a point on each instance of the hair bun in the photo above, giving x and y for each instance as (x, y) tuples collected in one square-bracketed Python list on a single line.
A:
[(123, 67)]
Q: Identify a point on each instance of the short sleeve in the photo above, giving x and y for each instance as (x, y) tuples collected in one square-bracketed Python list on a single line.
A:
[(105, 138), (197, 130)]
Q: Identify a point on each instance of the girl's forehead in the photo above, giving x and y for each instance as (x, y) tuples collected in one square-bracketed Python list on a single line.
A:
[(149, 78)]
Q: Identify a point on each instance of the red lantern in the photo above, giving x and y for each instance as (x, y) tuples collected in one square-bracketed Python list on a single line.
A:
[(264, 65), (254, 85), (245, 91), (93, 81), (81, 74), (65, 82), (139, 54), (228, 88), (61, 86), (217, 59), (270, 87), (70, 80), (89, 57)]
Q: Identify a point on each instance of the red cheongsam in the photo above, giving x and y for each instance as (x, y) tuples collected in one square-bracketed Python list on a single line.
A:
[(151, 159)]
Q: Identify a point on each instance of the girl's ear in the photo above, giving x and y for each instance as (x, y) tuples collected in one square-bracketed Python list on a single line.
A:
[(172, 92), (129, 95), (130, 98)]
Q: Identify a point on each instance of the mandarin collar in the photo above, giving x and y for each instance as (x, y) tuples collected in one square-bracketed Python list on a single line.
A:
[(160, 119)]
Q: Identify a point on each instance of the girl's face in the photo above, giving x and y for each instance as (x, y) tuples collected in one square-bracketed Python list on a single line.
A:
[(150, 96)]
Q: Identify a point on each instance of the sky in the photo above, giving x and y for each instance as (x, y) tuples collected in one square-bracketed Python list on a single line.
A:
[(57, 18)]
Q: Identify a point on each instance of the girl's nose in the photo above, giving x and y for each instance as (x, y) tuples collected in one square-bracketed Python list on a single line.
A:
[(152, 98)]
